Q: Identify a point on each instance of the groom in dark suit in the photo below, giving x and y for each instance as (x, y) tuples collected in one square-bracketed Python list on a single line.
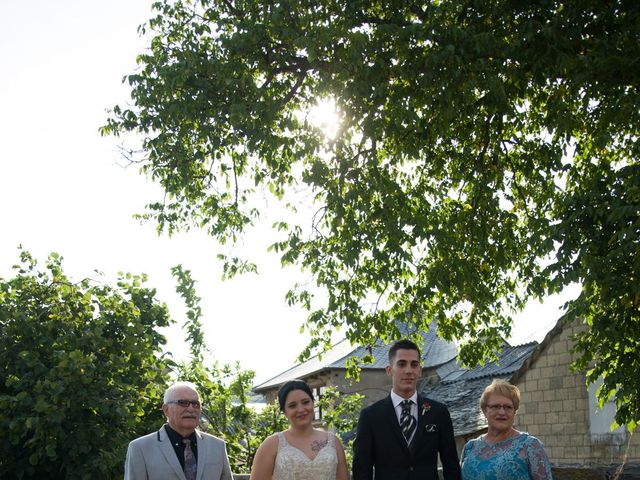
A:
[(400, 436)]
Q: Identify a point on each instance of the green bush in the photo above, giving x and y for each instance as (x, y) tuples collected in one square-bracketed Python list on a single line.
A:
[(82, 372)]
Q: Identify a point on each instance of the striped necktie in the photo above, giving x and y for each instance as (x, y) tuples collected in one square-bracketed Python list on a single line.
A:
[(407, 421)]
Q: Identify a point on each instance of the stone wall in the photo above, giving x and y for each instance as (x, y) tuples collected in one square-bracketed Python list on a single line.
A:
[(555, 408), (373, 384)]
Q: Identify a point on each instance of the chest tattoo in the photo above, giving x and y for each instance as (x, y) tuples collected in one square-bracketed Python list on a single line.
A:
[(318, 445)]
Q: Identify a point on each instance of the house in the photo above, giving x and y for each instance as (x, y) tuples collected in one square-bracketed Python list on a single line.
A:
[(556, 406), (460, 389), (329, 370)]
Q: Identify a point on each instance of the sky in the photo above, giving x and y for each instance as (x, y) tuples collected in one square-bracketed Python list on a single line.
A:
[(65, 189)]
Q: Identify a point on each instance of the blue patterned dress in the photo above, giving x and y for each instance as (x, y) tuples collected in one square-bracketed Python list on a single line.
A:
[(517, 458)]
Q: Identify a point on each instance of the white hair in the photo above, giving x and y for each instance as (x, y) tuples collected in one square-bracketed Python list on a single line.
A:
[(168, 392)]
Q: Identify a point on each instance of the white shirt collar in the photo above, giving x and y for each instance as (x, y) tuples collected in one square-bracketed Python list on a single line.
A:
[(396, 399)]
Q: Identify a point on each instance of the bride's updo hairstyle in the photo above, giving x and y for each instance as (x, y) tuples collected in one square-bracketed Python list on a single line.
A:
[(290, 386)]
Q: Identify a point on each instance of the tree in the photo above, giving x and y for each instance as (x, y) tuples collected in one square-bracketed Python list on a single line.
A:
[(340, 414), (487, 154), (226, 413), (84, 374), (224, 390), (82, 371)]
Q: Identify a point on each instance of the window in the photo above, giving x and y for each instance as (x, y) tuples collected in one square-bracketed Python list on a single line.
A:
[(600, 419), (317, 394)]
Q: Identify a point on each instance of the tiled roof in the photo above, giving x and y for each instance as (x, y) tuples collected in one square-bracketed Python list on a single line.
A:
[(340, 351), (460, 389), (435, 351), (510, 360), (462, 398)]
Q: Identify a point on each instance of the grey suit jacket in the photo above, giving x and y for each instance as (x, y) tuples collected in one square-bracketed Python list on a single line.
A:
[(152, 457)]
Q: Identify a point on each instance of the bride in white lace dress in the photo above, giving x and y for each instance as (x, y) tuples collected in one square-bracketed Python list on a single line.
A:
[(301, 452)]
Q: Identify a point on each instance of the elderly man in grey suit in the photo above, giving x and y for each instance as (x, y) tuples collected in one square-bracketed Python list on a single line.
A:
[(178, 451)]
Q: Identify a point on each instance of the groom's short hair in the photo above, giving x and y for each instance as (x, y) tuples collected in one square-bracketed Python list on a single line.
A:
[(402, 344)]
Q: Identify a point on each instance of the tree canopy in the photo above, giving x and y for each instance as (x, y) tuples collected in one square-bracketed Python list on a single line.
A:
[(82, 372), (224, 390), (486, 153)]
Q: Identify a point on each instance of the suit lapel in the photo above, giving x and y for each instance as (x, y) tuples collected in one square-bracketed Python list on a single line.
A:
[(395, 425), (164, 444), (420, 425), (202, 455)]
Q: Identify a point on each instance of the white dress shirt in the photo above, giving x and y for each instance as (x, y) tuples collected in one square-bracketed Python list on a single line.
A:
[(397, 400)]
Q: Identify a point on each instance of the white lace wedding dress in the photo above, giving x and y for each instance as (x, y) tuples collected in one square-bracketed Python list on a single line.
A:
[(293, 464)]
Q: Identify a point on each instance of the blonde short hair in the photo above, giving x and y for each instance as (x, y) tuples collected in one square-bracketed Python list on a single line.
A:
[(502, 388)]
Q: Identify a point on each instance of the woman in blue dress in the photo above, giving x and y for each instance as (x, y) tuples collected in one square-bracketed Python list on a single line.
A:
[(504, 453)]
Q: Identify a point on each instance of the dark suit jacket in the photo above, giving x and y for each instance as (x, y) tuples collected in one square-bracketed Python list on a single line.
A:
[(380, 447)]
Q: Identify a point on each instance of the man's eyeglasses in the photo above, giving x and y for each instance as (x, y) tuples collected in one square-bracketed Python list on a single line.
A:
[(496, 407), (186, 403)]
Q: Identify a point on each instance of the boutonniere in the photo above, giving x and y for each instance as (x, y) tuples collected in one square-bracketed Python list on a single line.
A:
[(426, 406)]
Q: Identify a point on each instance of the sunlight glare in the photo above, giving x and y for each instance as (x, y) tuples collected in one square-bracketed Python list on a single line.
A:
[(325, 116)]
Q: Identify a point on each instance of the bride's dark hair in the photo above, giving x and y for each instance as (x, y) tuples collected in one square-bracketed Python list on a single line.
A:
[(288, 387)]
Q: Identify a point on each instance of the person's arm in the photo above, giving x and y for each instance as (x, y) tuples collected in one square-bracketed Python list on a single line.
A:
[(226, 468), (342, 472), (134, 467), (465, 452), (447, 449), (265, 459), (363, 449), (539, 465)]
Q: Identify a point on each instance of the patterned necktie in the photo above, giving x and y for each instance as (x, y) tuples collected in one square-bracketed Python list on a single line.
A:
[(190, 463), (407, 421)]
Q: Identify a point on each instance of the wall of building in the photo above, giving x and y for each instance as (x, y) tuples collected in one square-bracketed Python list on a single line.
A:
[(271, 396), (373, 384), (555, 408)]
